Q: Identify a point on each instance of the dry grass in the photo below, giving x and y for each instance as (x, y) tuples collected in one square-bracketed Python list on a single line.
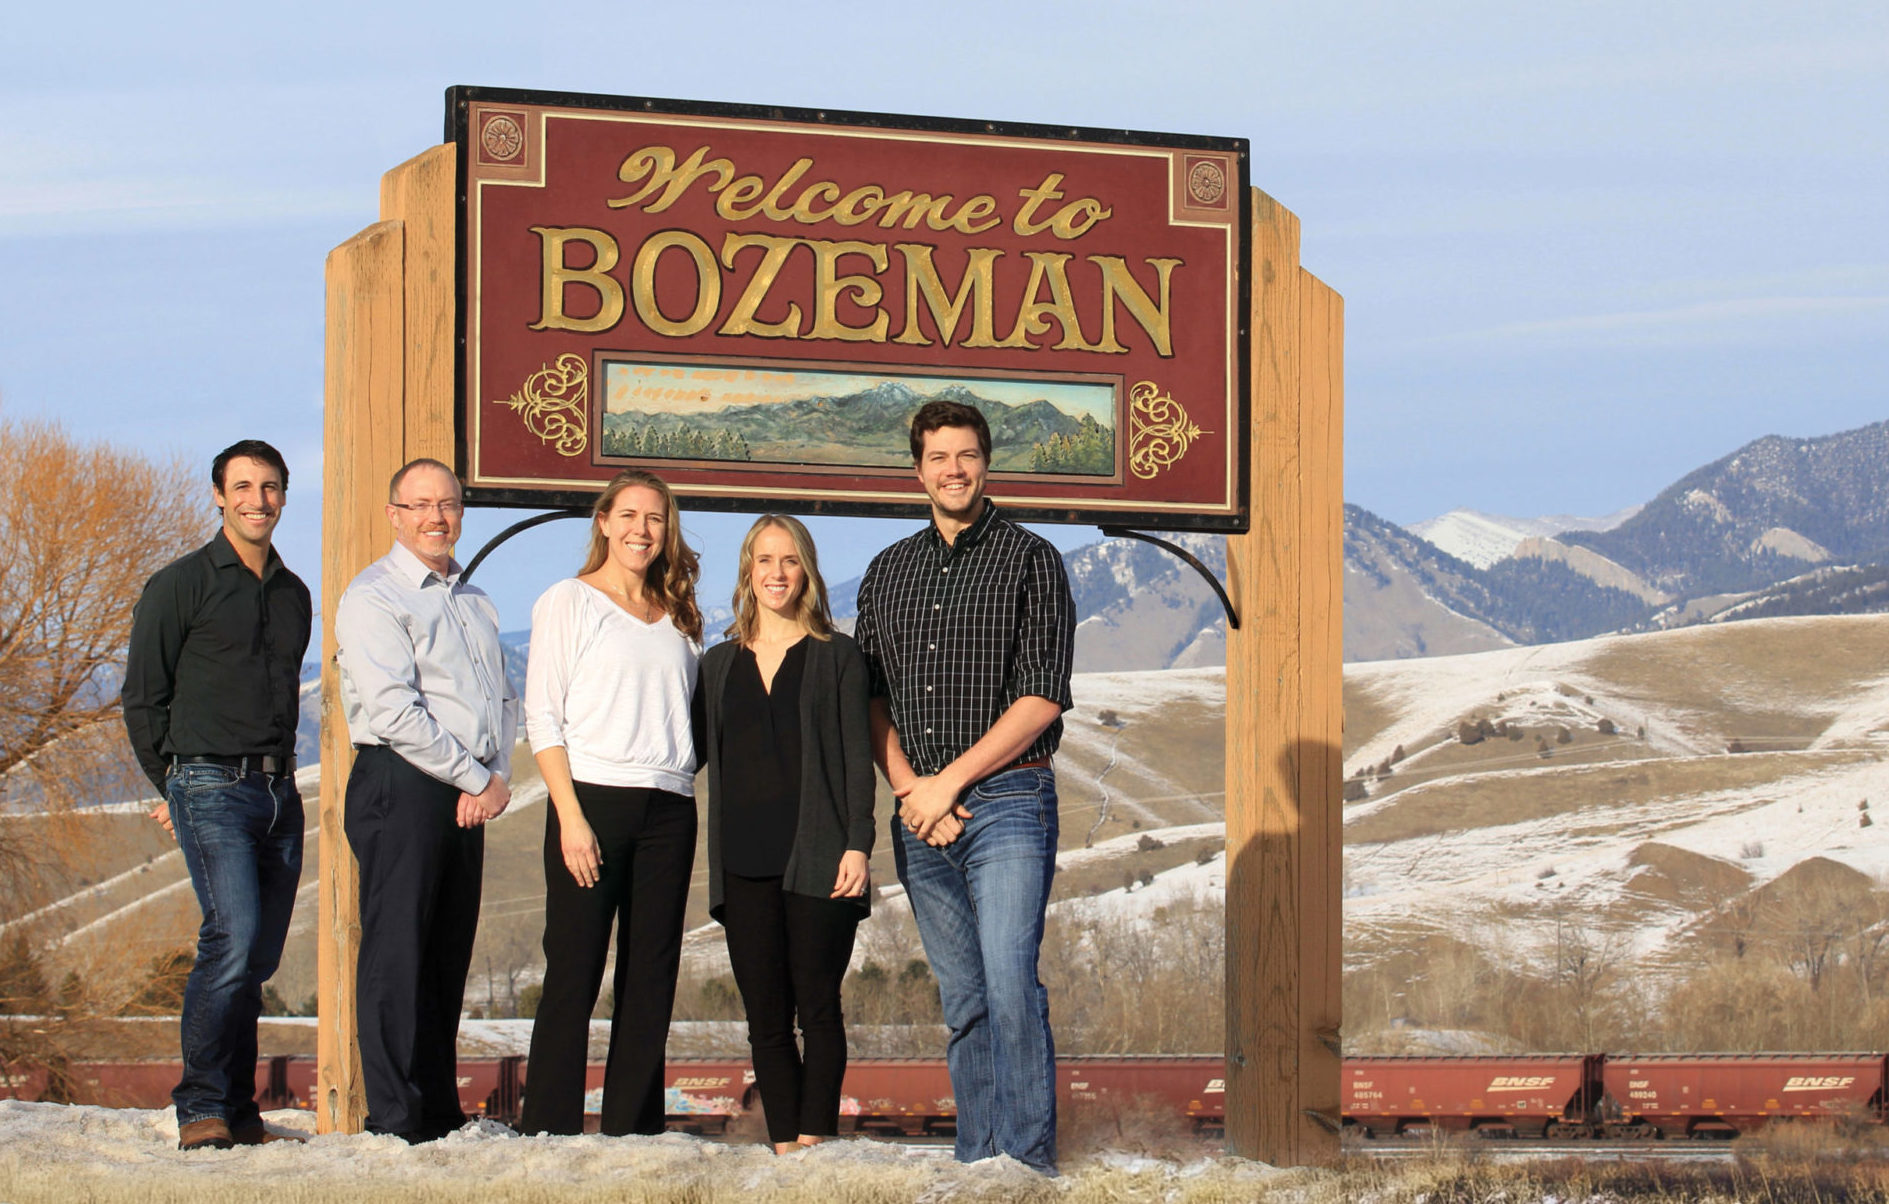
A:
[(1461, 1176), (1366, 714), (1681, 876), (1118, 986), (1489, 800), (1780, 678)]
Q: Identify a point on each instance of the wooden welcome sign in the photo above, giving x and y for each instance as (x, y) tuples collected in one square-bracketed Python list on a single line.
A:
[(753, 303)]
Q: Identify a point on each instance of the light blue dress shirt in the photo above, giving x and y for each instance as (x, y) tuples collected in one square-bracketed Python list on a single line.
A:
[(422, 671)]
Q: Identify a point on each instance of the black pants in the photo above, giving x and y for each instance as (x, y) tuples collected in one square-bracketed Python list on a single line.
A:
[(789, 954), (648, 843), (420, 878)]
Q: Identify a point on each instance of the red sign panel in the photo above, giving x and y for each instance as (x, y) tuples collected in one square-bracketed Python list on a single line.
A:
[(754, 302)]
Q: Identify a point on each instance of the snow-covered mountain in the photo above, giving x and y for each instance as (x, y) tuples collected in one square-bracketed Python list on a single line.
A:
[(1482, 539)]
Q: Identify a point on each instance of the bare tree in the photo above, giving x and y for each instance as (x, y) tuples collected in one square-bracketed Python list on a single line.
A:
[(1587, 963), (1867, 940), (82, 526), (1809, 922)]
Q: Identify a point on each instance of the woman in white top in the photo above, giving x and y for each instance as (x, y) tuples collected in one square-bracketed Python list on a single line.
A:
[(608, 693)]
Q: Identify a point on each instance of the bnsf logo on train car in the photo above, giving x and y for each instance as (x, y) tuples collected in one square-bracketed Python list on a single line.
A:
[(1520, 1082), (1812, 1082), (686, 1083)]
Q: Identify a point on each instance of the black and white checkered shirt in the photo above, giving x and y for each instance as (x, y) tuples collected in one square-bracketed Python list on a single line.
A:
[(955, 633)]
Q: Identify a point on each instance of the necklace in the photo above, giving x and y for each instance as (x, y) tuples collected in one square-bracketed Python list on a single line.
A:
[(621, 595)]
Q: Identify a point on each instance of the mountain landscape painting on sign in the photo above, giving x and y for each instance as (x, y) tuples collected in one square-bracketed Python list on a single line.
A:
[(666, 410)]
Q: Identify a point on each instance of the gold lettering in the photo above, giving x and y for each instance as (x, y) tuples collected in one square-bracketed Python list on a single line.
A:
[(643, 283), (1032, 199), (558, 274), (1118, 283), (803, 210), (741, 319), (1033, 315), (659, 164), (829, 287), (848, 211), (771, 206), (1070, 221), (1078, 217), (974, 289), (736, 202), (972, 219), (915, 207)]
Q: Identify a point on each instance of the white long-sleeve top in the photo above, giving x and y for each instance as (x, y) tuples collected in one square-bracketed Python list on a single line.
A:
[(613, 690)]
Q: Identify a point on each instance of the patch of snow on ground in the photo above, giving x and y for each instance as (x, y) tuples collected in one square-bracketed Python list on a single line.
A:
[(75, 1152), (1461, 879)]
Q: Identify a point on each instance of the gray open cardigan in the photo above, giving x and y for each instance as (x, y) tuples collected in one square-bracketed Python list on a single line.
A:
[(836, 771)]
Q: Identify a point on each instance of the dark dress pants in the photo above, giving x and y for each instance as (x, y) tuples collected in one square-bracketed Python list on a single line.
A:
[(789, 954), (648, 843), (420, 880)]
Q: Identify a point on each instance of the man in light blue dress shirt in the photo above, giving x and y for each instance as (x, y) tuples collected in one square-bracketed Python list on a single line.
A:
[(433, 722)]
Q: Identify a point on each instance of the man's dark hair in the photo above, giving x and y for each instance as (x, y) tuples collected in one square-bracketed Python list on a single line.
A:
[(393, 486), (938, 413), (254, 449)]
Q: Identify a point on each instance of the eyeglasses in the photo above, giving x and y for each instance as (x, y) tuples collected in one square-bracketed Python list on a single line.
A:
[(446, 509)]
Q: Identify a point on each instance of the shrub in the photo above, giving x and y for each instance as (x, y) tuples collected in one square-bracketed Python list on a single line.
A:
[(162, 993)]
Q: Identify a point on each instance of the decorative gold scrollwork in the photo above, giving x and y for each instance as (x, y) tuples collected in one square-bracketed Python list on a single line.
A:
[(554, 403), (1161, 431)]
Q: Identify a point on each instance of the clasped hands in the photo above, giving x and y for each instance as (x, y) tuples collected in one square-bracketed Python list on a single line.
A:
[(488, 804), (930, 810)]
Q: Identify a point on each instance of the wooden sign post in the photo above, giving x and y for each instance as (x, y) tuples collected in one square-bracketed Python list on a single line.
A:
[(391, 396), (1285, 721), (388, 399)]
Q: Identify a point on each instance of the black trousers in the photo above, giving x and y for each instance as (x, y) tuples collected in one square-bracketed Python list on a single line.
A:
[(648, 842), (789, 953), (420, 879)]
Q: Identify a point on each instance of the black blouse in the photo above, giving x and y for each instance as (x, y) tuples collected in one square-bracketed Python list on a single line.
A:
[(760, 765)]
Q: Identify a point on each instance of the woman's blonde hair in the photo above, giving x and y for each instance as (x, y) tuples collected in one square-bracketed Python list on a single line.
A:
[(670, 580), (812, 611)]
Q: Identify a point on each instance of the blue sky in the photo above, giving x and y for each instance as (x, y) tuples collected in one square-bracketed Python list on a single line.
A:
[(1584, 248)]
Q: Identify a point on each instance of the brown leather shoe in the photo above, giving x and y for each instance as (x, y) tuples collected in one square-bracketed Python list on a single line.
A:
[(257, 1134), (210, 1133)]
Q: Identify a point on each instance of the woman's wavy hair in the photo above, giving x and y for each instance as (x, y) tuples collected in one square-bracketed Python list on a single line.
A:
[(813, 611), (672, 575)]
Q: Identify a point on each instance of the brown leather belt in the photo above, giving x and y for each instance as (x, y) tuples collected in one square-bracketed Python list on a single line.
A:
[(1039, 763)]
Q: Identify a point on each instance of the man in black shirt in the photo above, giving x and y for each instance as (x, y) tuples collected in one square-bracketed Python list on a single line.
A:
[(969, 629), (211, 699)]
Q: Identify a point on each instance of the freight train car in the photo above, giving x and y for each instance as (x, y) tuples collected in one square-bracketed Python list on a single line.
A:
[(1723, 1095), (1524, 1096), (1520, 1095)]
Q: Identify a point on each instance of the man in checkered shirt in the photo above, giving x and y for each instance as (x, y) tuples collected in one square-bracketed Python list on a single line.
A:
[(970, 631)]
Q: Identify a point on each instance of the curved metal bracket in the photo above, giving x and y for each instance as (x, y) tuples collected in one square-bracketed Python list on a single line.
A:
[(536, 520), (1226, 603)]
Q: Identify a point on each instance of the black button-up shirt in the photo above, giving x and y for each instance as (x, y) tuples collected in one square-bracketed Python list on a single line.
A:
[(215, 661), (956, 632)]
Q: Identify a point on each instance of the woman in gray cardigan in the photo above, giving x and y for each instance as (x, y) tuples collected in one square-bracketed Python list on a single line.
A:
[(790, 791)]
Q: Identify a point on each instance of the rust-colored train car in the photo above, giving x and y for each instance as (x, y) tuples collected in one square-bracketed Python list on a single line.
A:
[(1722, 1095), (1192, 1088), (898, 1096), (1556, 1096), (1520, 1095)]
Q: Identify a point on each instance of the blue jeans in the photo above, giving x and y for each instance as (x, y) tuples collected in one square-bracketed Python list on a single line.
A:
[(979, 904), (241, 837)]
